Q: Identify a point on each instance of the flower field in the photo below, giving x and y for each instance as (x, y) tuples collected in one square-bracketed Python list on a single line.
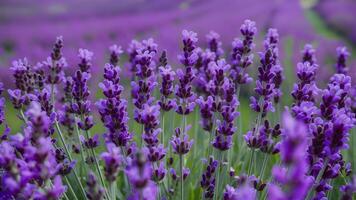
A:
[(199, 117)]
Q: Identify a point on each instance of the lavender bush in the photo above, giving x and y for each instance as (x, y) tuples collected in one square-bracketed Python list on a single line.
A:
[(179, 134)]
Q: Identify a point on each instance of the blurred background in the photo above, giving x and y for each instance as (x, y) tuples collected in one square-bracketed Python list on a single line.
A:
[(29, 27)]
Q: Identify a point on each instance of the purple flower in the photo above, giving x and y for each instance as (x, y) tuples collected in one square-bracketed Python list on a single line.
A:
[(215, 44), (349, 190), (294, 182), (241, 56), (206, 112), (112, 159), (115, 52), (308, 54), (85, 58), (269, 76), (342, 55), (139, 173), (243, 192), (94, 190), (56, 62), (91, 142), (180, 142), (55, 192), (2, 104), (207, 181), (155, 153), (159, 173), (166, 89)]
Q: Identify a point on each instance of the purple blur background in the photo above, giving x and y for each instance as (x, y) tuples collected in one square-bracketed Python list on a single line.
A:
[(29, 27)]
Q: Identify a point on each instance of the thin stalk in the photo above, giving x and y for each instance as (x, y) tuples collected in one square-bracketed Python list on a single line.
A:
[(70, 188), (65, 148), (112, 190), (69, 156), (318, 178), (163, 132), (97, 166), (80, 146), (181, 176), (264, 165), (251, 162), (217, 186), (23, 116)]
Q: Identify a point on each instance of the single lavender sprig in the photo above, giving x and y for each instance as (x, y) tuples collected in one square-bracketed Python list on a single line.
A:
[(330, 134), (166, 103), (139, 173), (2, 104), (208, 178), (342, 55), (241, 56), (308, 54), (185, 96), (113, 109), (215, 44), (292, 173)]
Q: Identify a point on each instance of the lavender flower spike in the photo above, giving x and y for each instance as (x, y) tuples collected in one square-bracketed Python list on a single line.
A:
[(294, 182), (342, 55)]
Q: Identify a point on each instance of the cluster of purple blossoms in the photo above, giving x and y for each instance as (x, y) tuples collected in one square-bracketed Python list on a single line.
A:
[(330, 133), (94, 190), (241, 55), (167, 76), (55, 63), (294, 183), (208, 178), (267, 82), (26, 81), (113, 109), (245, 189), (29, 160), (310, 146), (267, 88), (139, 173)]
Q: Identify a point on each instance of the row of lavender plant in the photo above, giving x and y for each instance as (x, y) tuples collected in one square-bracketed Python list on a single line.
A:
[(56, 156)]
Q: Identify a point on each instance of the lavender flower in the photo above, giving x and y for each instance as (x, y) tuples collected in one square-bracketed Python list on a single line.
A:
[(2, 104), (348, 190), (294, 183), (166, 89), (342, 55), (184, 89), (244, 192), (241, 54), (215, 44), (180, 142), (55, 63), (208, 178), (112, 159), (308, 54), (94, 191), (139, 173), (35, 161), (115, 52)]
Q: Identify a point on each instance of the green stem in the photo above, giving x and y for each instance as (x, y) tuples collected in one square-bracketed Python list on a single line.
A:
[(163, 132), (23, 116), (69, 156), (218, 171), (264, 165), (181, 176), (70, 188), (251, 162)]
